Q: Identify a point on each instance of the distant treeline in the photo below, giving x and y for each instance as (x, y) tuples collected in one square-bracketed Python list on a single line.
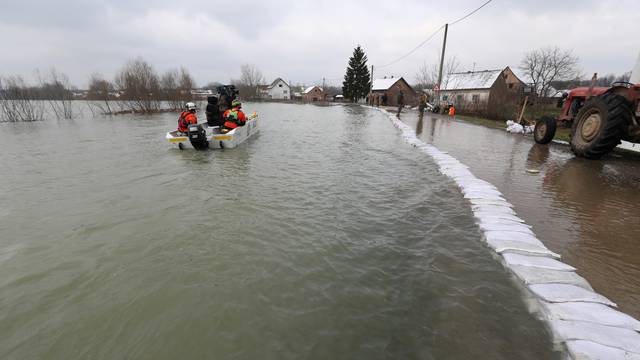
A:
[(136, 88)]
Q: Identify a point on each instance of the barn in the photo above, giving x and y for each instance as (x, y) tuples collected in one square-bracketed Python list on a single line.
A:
[(391, 87)]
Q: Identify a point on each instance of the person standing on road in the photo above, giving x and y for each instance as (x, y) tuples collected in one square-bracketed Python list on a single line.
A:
[(400, 101), (422, 103), (452, 111)]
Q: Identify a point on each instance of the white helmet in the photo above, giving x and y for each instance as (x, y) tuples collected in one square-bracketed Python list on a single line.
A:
[(190, 106)]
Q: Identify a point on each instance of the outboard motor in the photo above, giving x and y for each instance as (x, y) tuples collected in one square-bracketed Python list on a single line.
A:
[(197, 137)]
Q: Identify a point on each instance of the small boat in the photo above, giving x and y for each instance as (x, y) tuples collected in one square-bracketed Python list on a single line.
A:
[(203, 136)]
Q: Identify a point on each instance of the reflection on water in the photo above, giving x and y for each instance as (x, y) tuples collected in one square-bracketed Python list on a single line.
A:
[(537, 156), (420, 124), (585, 210), (603, 199), (324, 237)]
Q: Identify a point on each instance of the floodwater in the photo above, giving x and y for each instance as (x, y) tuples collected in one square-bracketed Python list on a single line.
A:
[(324, 237), (585, 210)]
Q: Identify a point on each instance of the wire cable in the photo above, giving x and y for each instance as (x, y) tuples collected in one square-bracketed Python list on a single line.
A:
[(471, 13), (432, 35), (413, 50)]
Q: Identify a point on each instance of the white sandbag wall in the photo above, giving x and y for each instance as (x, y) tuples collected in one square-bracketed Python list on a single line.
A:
[(585, 322)]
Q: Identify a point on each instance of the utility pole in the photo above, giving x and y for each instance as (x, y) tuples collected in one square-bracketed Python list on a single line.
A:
[(324, 91), (444, 46), (372, 77), (371, 88)]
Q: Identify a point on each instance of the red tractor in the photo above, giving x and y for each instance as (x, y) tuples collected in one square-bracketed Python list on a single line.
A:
[(600, 117)]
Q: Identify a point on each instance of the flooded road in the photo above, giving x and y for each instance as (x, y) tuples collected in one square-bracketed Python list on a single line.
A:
[(583, 209), (324, 237)]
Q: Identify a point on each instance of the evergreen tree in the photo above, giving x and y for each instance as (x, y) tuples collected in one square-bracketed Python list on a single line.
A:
[(357, 80)]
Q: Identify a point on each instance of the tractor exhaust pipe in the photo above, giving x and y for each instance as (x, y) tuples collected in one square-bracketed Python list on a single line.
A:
[(635, 73)]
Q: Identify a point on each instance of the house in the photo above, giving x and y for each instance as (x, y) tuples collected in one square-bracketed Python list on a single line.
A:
[(278, 90), (313, 93), (392, 87), (489, 92)]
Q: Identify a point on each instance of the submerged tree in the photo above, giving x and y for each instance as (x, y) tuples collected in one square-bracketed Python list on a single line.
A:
[(18, 101), (140, 86), (56, 89), (101, 92), (357, 80)]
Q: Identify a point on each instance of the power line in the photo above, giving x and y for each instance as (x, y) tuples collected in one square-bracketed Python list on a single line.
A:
[(414, 49), (471, 13), (432, 35)]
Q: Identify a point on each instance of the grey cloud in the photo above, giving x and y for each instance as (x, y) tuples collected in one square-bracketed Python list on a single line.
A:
[(304, 41)]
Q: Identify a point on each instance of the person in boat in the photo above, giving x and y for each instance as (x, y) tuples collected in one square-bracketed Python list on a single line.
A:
[(187, 117), (234, 117)]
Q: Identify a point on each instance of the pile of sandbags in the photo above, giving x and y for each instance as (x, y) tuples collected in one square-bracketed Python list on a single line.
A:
[(514, 127)]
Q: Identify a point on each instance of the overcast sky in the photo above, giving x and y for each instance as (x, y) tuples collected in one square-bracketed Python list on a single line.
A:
[(304, 41)]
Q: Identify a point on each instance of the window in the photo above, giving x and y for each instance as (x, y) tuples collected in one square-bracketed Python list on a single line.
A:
[(511, 86), (445, 97), (279, 85), (459, 97), (475, 98), (285, 92)]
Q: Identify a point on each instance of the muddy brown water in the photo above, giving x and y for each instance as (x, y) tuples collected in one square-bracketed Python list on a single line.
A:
[(324, 237), (588, 211)]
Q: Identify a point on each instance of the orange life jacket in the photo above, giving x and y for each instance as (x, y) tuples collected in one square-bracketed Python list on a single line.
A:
[(234, 118), (185, 119)]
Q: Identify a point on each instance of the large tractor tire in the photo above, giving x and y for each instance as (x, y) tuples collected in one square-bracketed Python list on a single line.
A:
[(545, 130), (599, 125)]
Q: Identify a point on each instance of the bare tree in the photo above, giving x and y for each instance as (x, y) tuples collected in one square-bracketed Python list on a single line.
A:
[(100, 91), (18, 101), (250, 78), (169, 86), (140, 86), (176, 87), (56, 90), (427, 75), (185, 84), (549, 64)]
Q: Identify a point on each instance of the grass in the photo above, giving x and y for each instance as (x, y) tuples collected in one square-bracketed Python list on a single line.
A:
[(563, 134)]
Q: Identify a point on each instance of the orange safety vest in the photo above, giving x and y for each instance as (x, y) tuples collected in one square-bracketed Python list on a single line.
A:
[(452, 111), (185, 119), (240, 118)]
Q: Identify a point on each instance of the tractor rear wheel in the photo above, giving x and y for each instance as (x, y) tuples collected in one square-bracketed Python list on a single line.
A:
[(599, 125), (545, 130)]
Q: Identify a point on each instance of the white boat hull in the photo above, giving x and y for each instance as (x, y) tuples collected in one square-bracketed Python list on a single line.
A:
[(215, 138)]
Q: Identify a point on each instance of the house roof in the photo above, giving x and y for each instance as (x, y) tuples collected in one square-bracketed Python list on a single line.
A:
[(384, 84), (471, 80), (276, 81), (308, 90), (520, 74)]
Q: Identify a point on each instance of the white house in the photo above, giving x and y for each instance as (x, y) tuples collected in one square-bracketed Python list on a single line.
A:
[(278, 90)]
